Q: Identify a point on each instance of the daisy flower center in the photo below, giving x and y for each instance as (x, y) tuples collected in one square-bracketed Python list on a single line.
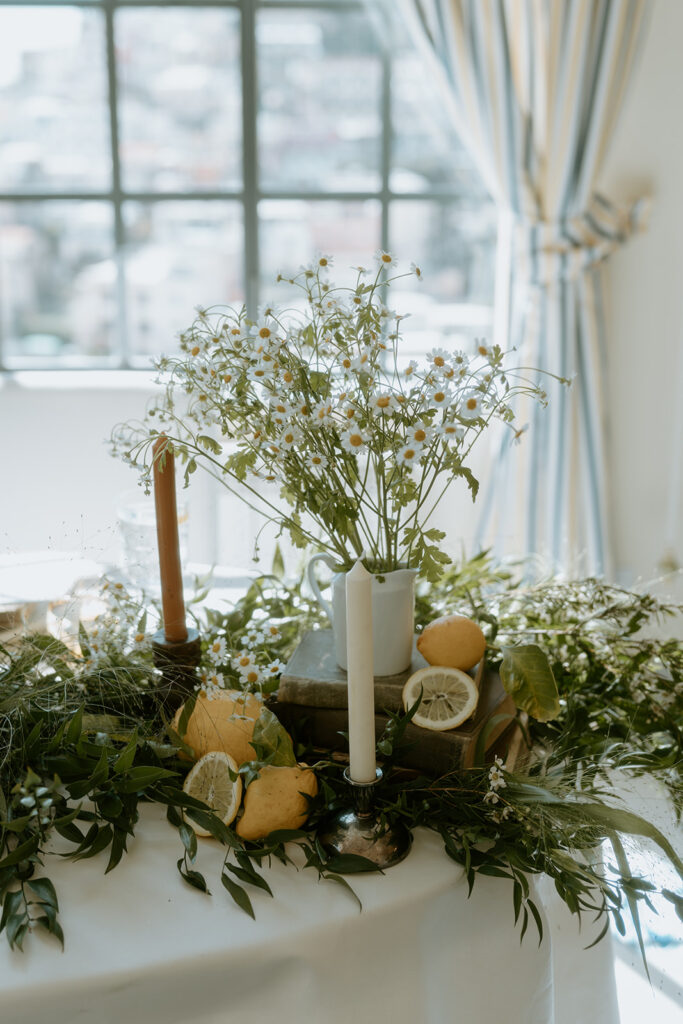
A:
[(471, 403), (264, 332), (383, 402), (356, 440), (419, 434), (409, 453)]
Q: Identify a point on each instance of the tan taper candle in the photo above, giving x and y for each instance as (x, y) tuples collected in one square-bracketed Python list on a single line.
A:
[(170, 569)]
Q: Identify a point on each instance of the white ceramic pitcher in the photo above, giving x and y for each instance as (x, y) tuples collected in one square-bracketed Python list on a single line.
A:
[(393, 616)]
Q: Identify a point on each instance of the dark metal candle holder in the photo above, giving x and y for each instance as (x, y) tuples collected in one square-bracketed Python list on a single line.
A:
[(178, 661), (358, 830)]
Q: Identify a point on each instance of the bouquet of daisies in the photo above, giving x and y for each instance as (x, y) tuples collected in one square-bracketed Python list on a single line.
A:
[(361, 443)]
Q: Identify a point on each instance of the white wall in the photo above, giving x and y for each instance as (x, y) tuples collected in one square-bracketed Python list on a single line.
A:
[(58, 485), (645, 311)]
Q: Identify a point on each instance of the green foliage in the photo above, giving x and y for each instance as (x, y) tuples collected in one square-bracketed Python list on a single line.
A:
[(84, 742)]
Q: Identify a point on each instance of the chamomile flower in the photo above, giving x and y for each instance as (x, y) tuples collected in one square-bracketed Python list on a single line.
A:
[(440, 398), (317, 462), (438, 357), (383, 403), (385, 259), (470, 405), (324, 260), (451, 432), (409, 370), (217, 650), (409, 454), (260, 371), (280, 410), (252, 638), (274, 668), (322, 413), (349, 412), (264, 330), (414, 269), (353, 440), (252, 676), (420, 433), (289, 438), (346, 364), (480, 347), (244, 662), (271, 633), (362, 361), (212, 683)]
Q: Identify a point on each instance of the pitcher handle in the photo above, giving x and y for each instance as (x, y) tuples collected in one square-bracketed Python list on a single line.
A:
[(310, 574)]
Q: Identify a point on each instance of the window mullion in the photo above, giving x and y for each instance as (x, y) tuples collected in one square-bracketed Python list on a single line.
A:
[(249, 156), (119, 230)]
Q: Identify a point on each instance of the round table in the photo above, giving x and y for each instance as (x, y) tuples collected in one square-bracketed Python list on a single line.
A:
[(145, 948)]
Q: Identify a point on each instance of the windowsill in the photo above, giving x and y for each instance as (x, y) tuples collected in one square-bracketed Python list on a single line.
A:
[(79, 380)]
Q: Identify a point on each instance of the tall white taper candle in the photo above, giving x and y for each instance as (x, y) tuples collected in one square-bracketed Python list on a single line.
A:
[(362, 764)]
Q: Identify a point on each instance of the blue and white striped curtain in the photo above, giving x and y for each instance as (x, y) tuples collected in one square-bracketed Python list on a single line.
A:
[(535, 87)]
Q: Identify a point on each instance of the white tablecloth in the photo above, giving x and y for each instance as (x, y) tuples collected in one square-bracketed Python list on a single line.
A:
[(144, 948)]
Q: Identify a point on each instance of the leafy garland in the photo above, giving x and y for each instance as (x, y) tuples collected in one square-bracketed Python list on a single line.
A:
[(86, 740)]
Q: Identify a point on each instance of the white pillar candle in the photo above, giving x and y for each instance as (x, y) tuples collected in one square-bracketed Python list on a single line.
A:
[(362, 764)]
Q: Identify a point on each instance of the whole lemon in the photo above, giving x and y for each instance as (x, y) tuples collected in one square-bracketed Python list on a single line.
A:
[(274, 800), (452, 640), (223, 722)]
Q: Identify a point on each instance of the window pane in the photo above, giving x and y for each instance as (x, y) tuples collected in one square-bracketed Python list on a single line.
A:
[(294, 232), (179, 98), (319, 116), (54, 121), (426, 152), (57, 281), (179, 255), (454, 245)]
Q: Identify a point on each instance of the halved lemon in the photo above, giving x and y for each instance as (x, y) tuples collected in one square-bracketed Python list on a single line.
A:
[(449, 697), (210, 781)]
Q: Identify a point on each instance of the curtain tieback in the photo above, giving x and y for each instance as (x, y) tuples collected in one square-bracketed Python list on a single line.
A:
[(561, 250)]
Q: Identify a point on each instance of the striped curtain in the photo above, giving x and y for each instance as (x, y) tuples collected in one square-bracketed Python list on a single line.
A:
[(534, 87)]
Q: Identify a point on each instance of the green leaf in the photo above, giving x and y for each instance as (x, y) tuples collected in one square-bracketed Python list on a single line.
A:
[(73, 731), (251, 877), (21, 852), (142, 777), (193, 878), (52, 926), (125, 759), (350, 864), (527, 676), (45, 890), (271, 741), (239, 895), (189, 840), (10, 906)]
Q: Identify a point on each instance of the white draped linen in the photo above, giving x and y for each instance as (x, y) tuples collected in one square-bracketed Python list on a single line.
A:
[(144, 948), (534, 87)]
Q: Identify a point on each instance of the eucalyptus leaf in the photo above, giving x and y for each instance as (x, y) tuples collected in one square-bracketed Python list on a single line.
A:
[(527, 676)]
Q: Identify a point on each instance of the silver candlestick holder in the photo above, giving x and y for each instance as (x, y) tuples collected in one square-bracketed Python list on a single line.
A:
[(358, 829)]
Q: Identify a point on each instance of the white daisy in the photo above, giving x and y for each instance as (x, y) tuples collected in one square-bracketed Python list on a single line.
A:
[(252, 639), (385, 259), (280, 410), (414, 269), (274, 668), (363, 360), (322, 413), (263, 331), (470, 405), (261, 371), (244, 662), (324, 260), (438, 357), (271, 633), (480, 347), (440, 398), (420, 433), (409, 454), (353, 440), (289, 438), (252, 676), (451, 432), (317, 462), (217, 650), (410, 369), (383, 403)]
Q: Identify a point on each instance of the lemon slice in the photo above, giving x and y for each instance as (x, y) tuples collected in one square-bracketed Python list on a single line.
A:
[(210, 782), (449, 697)]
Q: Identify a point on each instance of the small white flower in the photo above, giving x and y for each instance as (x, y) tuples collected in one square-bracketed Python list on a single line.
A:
[(410, 369), (420, 433), (212, 683), (263, 332), (440, 398), (414, 269), (244, 662), (252, 638), (518, 434), (480, 347), (438, 357), (217, 650), (317, 462), (383, 403), (385, 259), (451, 432), (353, 440), (470, 405), (346, 363), (491, 797), (322, 413), (280, 410), (271, 633), (260, 371), (289, 438), (324, 260), (362, 361), (409, 454), (274, 668), (252, 676)]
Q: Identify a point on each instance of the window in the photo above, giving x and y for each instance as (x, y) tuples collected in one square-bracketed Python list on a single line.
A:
[(159, 156)]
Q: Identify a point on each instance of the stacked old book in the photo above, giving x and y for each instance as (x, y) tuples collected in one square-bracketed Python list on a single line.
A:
[(313, 694)]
